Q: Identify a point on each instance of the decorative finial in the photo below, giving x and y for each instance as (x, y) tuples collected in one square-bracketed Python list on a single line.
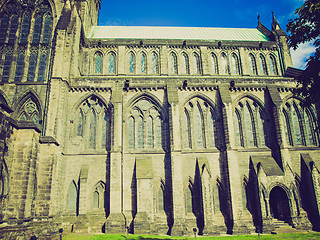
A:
[(259, 22)]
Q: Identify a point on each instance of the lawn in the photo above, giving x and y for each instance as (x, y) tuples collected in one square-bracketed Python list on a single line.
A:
[(295, 236)]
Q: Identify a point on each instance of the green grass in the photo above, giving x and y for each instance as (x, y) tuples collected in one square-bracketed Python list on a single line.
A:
[(295, 236)]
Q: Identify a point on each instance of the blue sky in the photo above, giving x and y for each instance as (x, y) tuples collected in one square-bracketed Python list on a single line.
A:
[(202, 13)]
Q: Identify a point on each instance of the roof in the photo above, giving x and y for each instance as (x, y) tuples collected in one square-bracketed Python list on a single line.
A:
[(269, 165), (177, 33)]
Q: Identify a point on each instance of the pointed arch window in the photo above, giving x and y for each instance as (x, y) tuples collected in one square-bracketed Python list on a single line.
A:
[(132, 63), (80, 123), (273, 65), (184, 64), (98, 63), (98, 196), (214, 64), (161, 198), (37, 29), (140, 132), (42, 67), (111, 66), (131, 132), (189, 200), (186, 126), (253, 65), (235, 64), (32, 65), (150, 133), (287, 128), (104, 130), (20, 67), (29, 111), (198, 127), (25, 28), (310, 128), (47, 29), (196, 63), (296, 124), (4, 28), (6, 67), (238, 128), (13, 28), (143, 63), (216, 198), (154, 63), (173, 63), (224, 64), (92, 130), (263, 66), (72, 197)]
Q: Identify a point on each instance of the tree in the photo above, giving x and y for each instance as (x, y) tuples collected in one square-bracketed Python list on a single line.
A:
[(306, 28)]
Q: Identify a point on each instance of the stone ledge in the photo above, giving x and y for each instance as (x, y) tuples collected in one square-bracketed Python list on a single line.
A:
[(48, 139)]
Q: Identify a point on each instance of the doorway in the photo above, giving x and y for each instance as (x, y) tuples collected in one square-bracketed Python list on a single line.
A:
[(279, 204)]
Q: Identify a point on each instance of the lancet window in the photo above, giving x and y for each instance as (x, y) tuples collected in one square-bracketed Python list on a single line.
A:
[(144, 125), (263, 66), (143, 63), (111, 63), (253, 65), (20, 67), (273, 65), (161, 197), (249, 124), (29, 111), (98, 62), (224, 64), (173, 68), (214, 64), (92, 123), (235, 64), (196, 63), (299, 124), (154, 63), (184, 64), (98, 196), (132, 63), (198, 124), (72, 197)]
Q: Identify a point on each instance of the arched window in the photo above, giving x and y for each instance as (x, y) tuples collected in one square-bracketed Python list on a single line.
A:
[(47, 29), (13, 28), (196, 63), (249, 124), (104, 130), (216, 198), (263, 66), (198, 124), (310, 128), (29, 111), (253, 65), (214, 64), (287, 127), (4, 28), (25, 28), (19, 67), (173, 63), (98, 196), (72, 197), (37, 29), (161, 198), (42, 67), (235, 64), (132, 63), (80, 123), (184, 64), (273, 65), (32, 65), (6, 67), (189, 200), (111, 65), (92, 130), (224, 64), (144, 125), (154, 63), (98, 63), (296, 124), (143, 63)]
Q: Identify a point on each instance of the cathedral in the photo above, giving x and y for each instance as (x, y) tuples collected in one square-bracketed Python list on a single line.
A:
[(153, 130)]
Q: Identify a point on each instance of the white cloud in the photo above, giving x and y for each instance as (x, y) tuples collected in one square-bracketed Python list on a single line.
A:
[(301, 54)]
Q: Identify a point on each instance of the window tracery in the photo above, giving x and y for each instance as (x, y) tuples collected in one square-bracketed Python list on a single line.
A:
[(144, 125), (98, 196), (29, 111), (4, 28), (13, 28), (20, 67), (249, 124)]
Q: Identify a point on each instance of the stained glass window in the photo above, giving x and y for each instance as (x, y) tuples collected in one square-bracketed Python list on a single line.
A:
[(309, 128), (80, 124), (186, 130), (4, 28), (214, 64), (196, 64), (92, 130), (6, 67), (198, 123), (235, 64), (32, 65), (287, 129), (273, 65), (98, 63), (263, 66), (249, 125), (173, 63), (37, 29), (184, 64), (42, 67), (143, 63), (131, 63), (237, 128), (131, 133), (47, 29), (154, 63), (25, 29), (224, 64), (140, 132), (158, 132), (296, 126), (19, 67), (150, 135), (210, 122), (111, 63), (13, 28), (253, 66)]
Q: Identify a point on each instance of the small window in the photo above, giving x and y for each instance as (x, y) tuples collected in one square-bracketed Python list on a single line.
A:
[(253, 65), (98, 62), (184, 64), (111, 65), (143, 63), (263, 66), (273, 65), (224, 64), (13, 29), (196, 64), (235, 64), (173, 64), (132, 63), (214, 64), (154, 66)]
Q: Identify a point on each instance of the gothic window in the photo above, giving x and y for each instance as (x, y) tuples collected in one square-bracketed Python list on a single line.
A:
[(37, 29), (13, 28), (295, 114), (263, 66), (235, 64), (144, 125), (189, 200), (25, 28), (253, 65), (173, 63), (20, 67), (249, 124), (184, 64), (4, 28), (32, 65), (98, 196), (132, 63), (273, 65), (198, 121), (161, 198), (214, 64), (244, 195), (154, 63), (4, 180), (310, 128), (29, 111), (196, 63), (98, 62), (92, 123), (111, 65), (47, 29), (7, 67), (42, 66), (287, 127), (224, 64), (143, 63), (72, 197), (216, 198)]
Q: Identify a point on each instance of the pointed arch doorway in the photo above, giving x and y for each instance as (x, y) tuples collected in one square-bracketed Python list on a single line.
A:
[(279, 204)]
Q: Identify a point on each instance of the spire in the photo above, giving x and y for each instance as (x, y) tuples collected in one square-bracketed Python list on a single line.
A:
[(275, 24), (259, 21)]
